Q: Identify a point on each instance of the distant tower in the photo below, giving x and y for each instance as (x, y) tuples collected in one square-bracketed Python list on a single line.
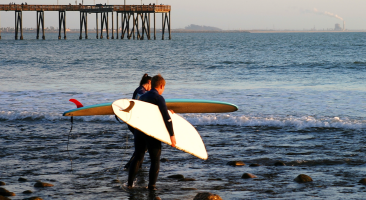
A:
[(344, 25)]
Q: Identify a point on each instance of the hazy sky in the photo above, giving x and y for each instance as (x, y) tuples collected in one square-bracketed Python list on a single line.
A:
[(228, 14)]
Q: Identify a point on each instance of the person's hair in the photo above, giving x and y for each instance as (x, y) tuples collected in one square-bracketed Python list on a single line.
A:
[(145, 79), (157, 81)]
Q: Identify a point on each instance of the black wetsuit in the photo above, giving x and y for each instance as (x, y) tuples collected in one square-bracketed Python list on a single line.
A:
[(136, 95), (153, 145)]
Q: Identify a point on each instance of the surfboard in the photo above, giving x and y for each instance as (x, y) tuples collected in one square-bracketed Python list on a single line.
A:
[(147, 118), (177, 105)]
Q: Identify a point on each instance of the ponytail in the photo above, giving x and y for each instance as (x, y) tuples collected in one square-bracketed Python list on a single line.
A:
[(145, 79)]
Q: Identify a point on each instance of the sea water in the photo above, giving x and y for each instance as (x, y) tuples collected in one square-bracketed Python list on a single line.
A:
[(301, 99)]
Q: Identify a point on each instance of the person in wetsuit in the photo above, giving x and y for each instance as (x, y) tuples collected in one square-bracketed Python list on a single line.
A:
[(153, 145), (145, 85)]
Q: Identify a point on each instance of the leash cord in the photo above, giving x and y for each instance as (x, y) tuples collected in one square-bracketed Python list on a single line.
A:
[(120, 167), (68, 141)]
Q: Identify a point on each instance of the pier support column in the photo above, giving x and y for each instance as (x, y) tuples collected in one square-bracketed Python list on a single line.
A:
[(112, 26), (170, 32), (117, 25), (163, 26), (154, 26), (138, 36), (18, 24), (96, 14), (149, 28), (166, 21), (104, 21), (83, 23), (0, 28), (107, 25), (61, 23), (40, 21), (133, 26), (142, 26), (145, 20), (126, 25)]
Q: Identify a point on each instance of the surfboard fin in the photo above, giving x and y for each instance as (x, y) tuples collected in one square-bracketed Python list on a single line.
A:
[(77, 103), (132, 103)]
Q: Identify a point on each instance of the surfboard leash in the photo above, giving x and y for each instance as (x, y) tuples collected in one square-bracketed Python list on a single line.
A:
[(68, 141), (120, 167)]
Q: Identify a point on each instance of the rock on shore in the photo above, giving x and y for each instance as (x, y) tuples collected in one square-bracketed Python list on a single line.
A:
[(248, 175), (303, 178), (5, 192), (207, 196), (236, 163), (42, 184)]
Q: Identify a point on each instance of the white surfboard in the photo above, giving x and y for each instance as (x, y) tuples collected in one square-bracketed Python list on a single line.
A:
[(147, 118)]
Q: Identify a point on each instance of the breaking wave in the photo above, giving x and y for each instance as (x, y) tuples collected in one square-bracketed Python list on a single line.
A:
[(208, 120)]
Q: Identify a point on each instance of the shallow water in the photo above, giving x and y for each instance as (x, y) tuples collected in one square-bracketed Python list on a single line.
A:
[(97, 152), (301, 100)]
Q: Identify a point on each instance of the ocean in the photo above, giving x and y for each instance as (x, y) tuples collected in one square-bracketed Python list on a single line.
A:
[(301, 99)]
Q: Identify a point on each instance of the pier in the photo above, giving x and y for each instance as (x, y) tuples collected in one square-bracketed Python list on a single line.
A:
[(131, 16)]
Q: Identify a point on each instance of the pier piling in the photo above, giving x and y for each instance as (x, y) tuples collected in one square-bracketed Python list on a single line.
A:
[(112, 27), (83, 23), (40, 21), (18, 24), (96, 15), (61, 23), (104, 21)]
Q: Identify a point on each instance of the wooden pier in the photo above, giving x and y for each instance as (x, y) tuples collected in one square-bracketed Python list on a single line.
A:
[(130, 15)]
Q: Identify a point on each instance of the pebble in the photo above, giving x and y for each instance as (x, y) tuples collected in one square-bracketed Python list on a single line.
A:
[(41, 184), (248, 175), (2, 183), (363, 181), (22, 179), (236, 163), (164, 160), (188, 188), (254, 165), (4, 198), (27, 192), (279, 163), (33, 198), (207, 196), (5, 192), (177, 176), (303, 178)]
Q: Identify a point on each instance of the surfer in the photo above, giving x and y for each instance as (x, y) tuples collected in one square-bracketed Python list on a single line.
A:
[(143, 141), (145, 85)]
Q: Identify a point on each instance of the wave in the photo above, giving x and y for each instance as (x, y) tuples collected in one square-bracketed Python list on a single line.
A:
[(208, 120)]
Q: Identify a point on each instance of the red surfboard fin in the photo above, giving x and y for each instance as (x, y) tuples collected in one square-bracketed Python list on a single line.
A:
[(77, 103)]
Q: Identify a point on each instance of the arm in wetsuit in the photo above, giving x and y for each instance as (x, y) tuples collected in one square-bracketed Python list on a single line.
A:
[(154, 98)]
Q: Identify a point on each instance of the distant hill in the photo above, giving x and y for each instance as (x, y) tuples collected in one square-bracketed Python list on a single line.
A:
[(194, 27)]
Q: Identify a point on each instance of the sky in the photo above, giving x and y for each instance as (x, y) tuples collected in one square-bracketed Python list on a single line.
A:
[(227, 15)]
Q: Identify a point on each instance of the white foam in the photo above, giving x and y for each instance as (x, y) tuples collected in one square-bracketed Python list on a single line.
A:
[(254, 110), (207, 119)]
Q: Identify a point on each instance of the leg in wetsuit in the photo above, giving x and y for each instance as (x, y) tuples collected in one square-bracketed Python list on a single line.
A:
[(154, 146), (127, 166)]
